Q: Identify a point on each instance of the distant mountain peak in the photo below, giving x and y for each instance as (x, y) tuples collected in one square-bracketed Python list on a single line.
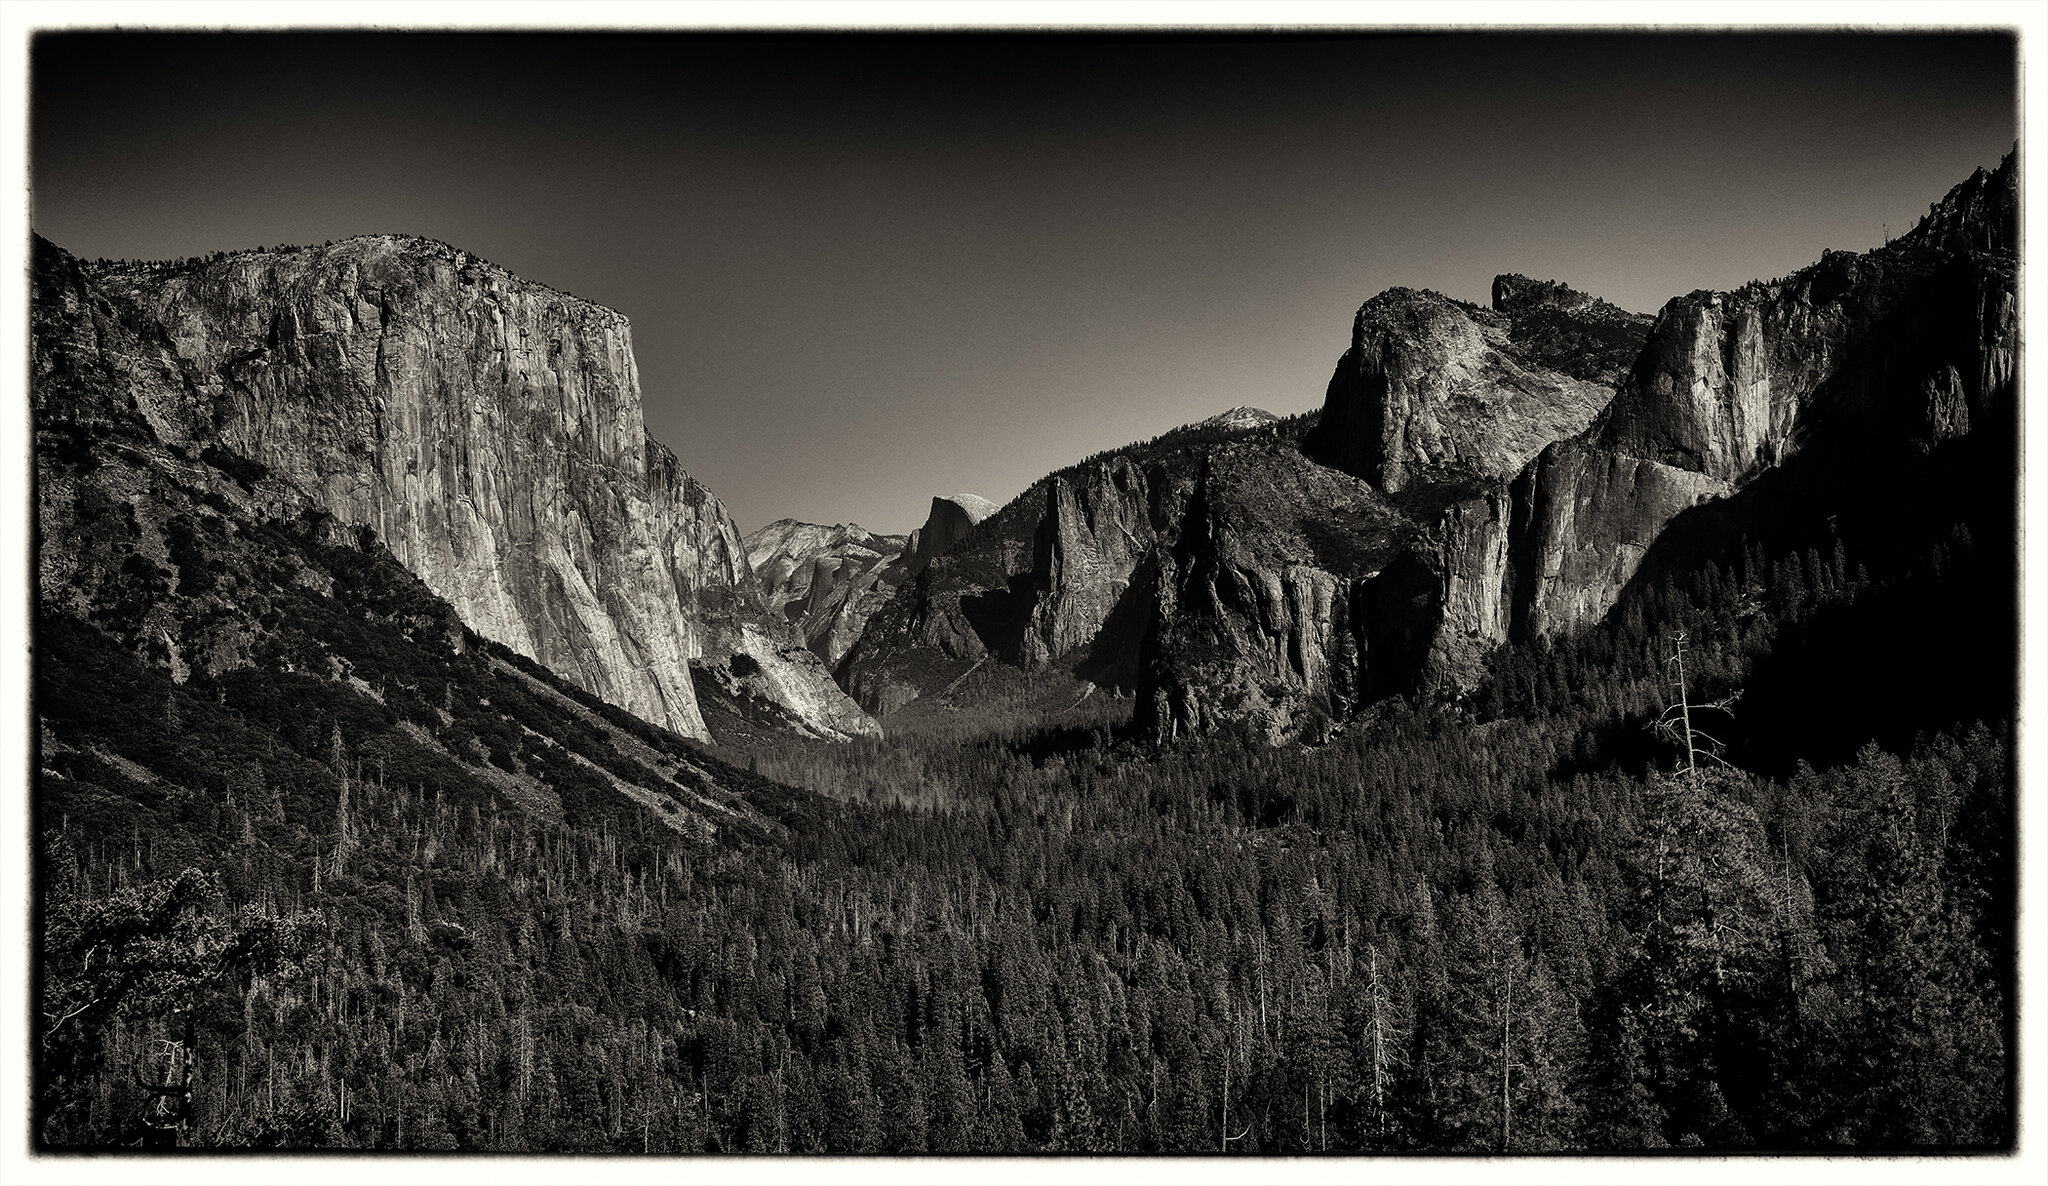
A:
[(1242, 416), (825, 580), (977, 507)]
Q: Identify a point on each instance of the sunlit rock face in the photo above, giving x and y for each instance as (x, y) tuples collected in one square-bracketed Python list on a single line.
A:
[(1097, 529), (1909, 342), (1434, 389), (826, 581), (489, 429), (1592, 515), (1056, 577), (1377, 559), (1294, 594), (1514, 466), (951, 519)]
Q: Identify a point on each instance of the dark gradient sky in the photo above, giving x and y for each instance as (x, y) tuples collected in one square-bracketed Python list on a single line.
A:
[(862, 271)]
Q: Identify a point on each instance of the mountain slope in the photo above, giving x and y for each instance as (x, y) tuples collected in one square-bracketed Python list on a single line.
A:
[(1531, 502), (487, 428), (1506, 472), (1034, 583), (826, 581), (1915, 342), (275, 774), (1278, 573), (374, 882)]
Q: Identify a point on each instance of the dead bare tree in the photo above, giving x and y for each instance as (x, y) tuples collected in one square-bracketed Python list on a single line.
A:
[(1223, 1129), (1676, 721), (1507, 1064), (169, 1110), (1380, 1036)]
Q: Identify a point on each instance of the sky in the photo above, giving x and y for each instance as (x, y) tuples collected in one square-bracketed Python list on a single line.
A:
[(863, 271)]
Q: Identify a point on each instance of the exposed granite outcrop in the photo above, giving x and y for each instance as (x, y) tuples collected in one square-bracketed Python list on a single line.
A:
[(1097, 528), (1240, 418), (1475, 476), (732, 614), (1980, 215), (1434, 389), (487, 428), (1060, 575), (1464, 550), (826, 581), (1913, 340), (1534, 454), (1254, 611), (1400, 580), (949, 522), (1295, 594), (1588, 515), (1555, 325)]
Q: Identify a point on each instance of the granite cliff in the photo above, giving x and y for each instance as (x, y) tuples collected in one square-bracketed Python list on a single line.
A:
[(1537, 452), (1916, 341), (486, 428), (1058, 576), (1475, 476), (949, 521), (1278, 572), (1434, 389)]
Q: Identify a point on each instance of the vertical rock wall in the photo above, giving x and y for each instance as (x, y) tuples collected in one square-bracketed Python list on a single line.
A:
[(1098, 527), (488, 428)]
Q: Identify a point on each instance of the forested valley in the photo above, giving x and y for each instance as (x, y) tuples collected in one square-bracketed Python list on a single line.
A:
[(1539, 690), (388, 886)]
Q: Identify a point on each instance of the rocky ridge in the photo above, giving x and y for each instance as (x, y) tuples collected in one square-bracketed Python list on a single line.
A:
[(1521, 525), (1475, 476), (1250, 569), (1240, 417), (826, 581), (486, 428), (1060, 575), (949, 521), (1915, 340), (1434, 389)]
